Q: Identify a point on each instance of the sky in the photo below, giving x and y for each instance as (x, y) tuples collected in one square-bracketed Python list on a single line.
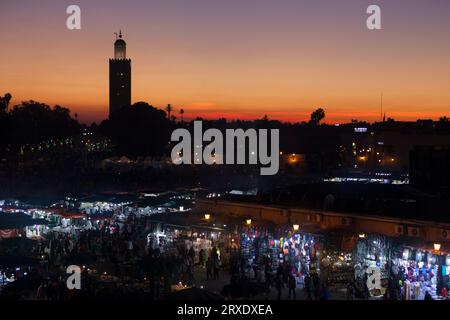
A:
[(238, 59)]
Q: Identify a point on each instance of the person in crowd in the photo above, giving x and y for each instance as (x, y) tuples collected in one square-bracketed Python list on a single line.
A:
[(308, 286), (279, 285), (192, 254), (326, 294), (316, 286), (351, 290), (292, 285), (444, 292), (209, 268), (214, 253), (51, 291), (41, 291), (216, 267), (286, 271), (267, 273), (243, 264), (201, 258)]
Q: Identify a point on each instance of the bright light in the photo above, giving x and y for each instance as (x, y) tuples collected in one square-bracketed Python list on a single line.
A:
[(362, 235), (405, 254), (249, 221), (437, 246), (207, 216), (296, 227)]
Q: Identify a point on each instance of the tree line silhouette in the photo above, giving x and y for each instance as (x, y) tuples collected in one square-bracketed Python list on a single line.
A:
[(32, 122), (143, 130)]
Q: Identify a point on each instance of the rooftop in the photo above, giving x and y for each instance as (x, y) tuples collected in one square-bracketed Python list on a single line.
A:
[(396, 201)]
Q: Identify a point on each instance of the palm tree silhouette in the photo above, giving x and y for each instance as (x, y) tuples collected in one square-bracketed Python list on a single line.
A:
[(4, 102), (182, 113), (169, 110)]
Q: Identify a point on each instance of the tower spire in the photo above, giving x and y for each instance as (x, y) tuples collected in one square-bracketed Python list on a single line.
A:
[(119, 76)]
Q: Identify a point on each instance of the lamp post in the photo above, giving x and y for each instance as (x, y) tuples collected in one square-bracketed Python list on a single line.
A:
[(437, 247), (248, 222), (207, 216), (296, 227)]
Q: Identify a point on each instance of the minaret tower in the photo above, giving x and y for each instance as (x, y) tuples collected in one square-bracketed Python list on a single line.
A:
[(119, 77)]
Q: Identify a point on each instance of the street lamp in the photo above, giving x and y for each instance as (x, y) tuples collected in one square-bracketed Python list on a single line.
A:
[(437, 246), (362, 235), (249, 221), (296, 227), (207, 216)]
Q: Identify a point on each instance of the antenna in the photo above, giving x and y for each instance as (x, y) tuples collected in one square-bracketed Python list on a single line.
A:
[(381, 106)]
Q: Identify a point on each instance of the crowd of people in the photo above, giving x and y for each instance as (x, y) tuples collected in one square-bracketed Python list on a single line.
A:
[(117, 261)]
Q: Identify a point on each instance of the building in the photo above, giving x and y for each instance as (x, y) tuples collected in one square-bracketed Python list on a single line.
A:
[(119, 77), (397, 211)]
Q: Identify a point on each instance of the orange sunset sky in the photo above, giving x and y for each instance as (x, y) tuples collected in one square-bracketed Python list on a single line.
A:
[(234, 59)]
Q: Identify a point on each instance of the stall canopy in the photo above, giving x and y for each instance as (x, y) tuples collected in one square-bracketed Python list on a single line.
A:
[(72, 215), (116, 198), (9, 208)]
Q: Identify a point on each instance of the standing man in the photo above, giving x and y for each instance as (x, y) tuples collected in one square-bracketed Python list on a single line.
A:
[(292, 285)]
